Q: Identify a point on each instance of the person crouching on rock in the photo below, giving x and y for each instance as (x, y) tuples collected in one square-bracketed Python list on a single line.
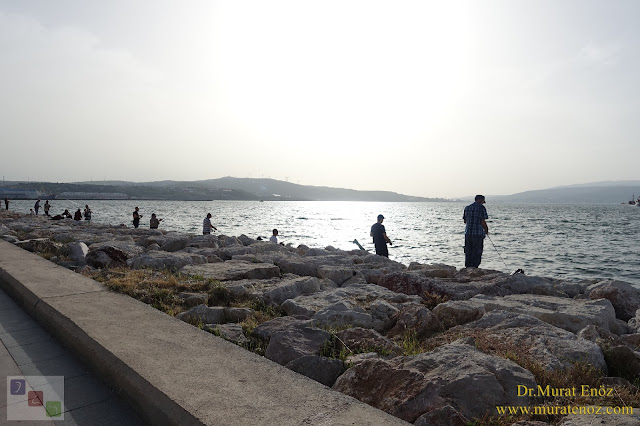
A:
[(154, 222), (77, 215), (207, 226)]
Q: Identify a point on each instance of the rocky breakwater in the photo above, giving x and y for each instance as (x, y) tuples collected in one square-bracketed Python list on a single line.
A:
[(428, 343)]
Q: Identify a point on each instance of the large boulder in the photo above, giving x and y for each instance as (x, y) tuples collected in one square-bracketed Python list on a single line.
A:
[(319, 368), (354, 305), (292, 343), (116, 252), (435, 270), (551, 347), (204, 314), (165, 260), (417, 319), (457, 374), (233, 270), (362, 340), (78, 251), (265, 330), (568, 314), (175, 242), (623, 296), (40, 245), (277, 290)]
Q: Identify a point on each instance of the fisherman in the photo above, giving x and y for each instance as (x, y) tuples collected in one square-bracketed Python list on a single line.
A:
[(207, 226), (154, 222), (36, 206), (47, 206), (476, 228), (87, 212), (380, 238), (136, 217)]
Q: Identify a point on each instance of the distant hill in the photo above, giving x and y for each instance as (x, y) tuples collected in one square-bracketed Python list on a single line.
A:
[(594, 193), (226, 188)]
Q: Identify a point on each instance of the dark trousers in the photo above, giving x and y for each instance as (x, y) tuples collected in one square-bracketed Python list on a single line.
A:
[(381, 249), (473, 251)]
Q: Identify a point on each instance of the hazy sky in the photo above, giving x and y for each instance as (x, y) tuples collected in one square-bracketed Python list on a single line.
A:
[(430, 98)]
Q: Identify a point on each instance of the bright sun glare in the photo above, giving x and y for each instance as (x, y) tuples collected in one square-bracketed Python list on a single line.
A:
[(371, 73)]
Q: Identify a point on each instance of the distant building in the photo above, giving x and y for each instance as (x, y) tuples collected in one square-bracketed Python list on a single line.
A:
[(92, 196), (18, 194)]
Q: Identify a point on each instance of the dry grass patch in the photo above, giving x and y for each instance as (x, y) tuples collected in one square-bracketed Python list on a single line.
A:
[(156, 288)]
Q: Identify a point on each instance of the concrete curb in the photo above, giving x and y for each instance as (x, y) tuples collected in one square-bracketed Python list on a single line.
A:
[(169, 371)]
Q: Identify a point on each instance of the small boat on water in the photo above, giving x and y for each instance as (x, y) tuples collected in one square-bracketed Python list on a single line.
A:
[(633, 200)]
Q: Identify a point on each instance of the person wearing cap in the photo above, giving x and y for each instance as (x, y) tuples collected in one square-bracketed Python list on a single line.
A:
[(207, 226), (474, 217), (380, 238)]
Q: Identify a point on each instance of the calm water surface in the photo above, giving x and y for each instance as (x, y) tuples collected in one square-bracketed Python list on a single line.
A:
[(561, 241)]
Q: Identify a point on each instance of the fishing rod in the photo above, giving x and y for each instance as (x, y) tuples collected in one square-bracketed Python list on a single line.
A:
[(517, 271)]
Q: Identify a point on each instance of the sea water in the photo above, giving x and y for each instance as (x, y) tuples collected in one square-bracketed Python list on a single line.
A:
[(559, 241)]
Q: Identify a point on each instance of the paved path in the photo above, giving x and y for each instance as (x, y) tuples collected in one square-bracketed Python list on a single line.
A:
[(170, 372), (28, 350)]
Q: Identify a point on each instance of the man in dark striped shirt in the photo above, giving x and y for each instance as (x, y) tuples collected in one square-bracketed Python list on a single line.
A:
[(474, 217)]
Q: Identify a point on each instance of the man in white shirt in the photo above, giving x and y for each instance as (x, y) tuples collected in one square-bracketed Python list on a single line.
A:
[(207, 226)]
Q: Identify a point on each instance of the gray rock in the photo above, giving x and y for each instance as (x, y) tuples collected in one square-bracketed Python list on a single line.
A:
[(291, 344), (233, 270), (9, 238), (362, 340), (456, 374), (204, 314), (568, 314), (415, 318), (99, 259), (634, 323), (117, 251), (278, 290), (337, 274), (193, 299), (435, 270), (165, 260), (589, 418), (553, 348), (362, 295), (623, 296), (204, 241), (343, 314), (443, 416), (265, 330), (318, 368), (230, 332), (209, 253), (237, 314), (39, 245), (175, 242), (297, 266)]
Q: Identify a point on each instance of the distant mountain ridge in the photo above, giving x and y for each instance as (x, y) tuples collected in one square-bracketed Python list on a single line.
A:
[(226, 188), (588, 193)]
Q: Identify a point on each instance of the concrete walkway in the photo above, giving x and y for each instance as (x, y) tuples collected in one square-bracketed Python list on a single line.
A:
[(168, 370), (28, 350)]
